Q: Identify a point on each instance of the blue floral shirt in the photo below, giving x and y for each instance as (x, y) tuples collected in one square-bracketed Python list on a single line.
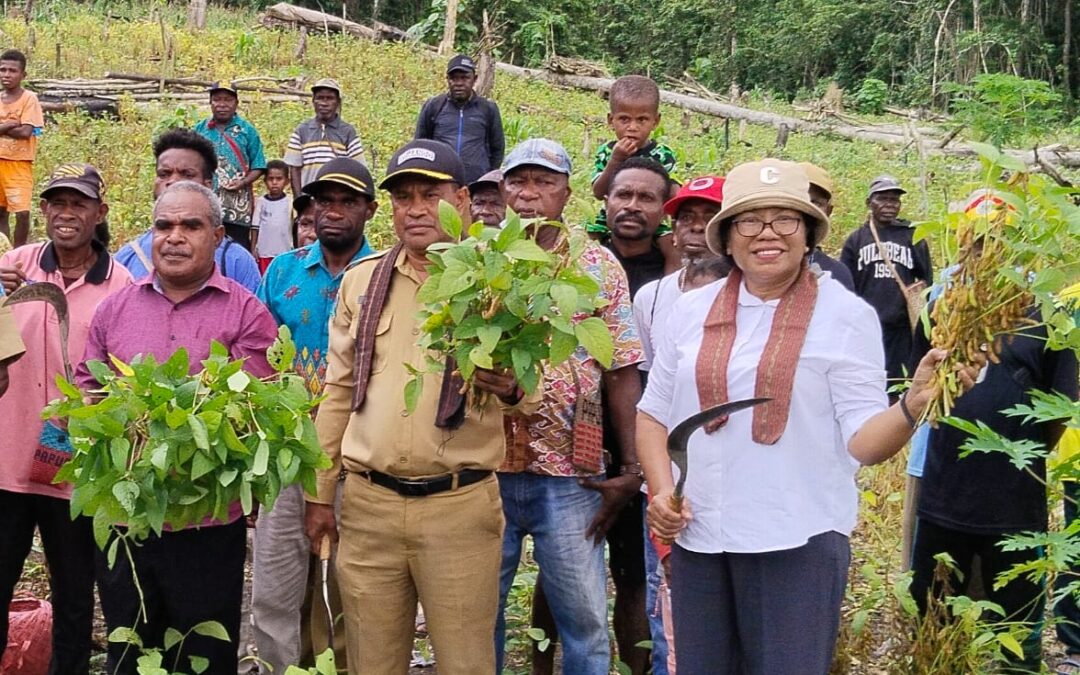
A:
[(300, 293)]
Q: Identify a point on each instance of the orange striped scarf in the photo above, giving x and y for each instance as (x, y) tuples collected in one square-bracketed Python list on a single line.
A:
[(779, 360)]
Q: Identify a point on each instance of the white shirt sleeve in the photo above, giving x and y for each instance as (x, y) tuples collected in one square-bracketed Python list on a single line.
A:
[(643, 303), (857, 380)]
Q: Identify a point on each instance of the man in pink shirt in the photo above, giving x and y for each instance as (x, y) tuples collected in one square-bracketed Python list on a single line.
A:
[(32, 450), (196, 574)]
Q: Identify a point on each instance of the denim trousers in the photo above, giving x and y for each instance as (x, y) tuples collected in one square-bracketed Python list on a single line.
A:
[(652, 605), (556, 511)]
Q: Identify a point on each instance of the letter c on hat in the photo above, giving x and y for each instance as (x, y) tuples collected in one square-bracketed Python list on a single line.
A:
[(770, 175)]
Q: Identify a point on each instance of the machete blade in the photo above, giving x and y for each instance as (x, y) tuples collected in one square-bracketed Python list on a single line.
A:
[(43, 291), (680, 436)]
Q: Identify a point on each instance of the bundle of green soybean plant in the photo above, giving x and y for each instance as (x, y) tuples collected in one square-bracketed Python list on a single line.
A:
[(497, 300), (157, 446)]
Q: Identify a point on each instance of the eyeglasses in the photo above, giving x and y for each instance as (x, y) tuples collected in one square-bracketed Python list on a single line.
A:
[(783, 226)]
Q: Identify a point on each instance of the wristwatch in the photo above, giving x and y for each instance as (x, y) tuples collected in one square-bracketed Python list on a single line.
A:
[(632, 470)]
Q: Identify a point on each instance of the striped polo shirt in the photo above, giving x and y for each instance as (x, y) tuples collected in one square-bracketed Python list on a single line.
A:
[(314, 144)]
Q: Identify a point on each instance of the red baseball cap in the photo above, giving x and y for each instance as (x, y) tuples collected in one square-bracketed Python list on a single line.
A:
[(709, 188)]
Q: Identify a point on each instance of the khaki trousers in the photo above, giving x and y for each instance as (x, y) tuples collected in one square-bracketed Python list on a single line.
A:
[(444, 550)]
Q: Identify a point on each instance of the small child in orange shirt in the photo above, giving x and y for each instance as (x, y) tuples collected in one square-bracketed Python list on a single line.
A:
[(21, 122)]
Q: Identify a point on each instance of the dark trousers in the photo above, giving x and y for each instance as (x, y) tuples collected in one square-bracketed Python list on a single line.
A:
[(1066, 610), (896, 338), (241, 234), (187, 577), (1021, 599), (759, 613), (69, 552)]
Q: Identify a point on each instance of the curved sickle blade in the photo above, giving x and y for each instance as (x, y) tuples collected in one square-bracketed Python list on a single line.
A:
[(679, 437), (43, 291)]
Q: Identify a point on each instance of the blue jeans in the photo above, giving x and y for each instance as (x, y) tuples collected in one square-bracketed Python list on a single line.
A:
[(556, 511), (652, 606)]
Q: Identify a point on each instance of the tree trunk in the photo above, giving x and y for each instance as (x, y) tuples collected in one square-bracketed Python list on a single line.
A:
[(1066, 50), (196, 17), (446, 47)]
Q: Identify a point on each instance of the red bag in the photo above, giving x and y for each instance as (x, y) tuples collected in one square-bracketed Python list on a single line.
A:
[(29, 646)]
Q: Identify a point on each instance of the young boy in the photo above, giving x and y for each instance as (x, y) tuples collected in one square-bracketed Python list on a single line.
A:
[(634, 103), (271, 224), (20, 124)]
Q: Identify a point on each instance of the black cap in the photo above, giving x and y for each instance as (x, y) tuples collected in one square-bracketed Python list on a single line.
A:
[(224, 86), (346, 172), (423, 157), (461, 62), (83, 178), (300, 204)]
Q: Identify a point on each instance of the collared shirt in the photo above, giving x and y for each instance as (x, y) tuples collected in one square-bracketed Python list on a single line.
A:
[(380, 436), (140, 319), (233, 260), (550, 429), (748, 497), (300, 293), (314, 144), (244, 153), (33, 377)]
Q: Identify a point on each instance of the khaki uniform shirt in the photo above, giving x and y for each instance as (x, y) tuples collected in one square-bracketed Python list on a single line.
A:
[(380, 436), (11, 343)]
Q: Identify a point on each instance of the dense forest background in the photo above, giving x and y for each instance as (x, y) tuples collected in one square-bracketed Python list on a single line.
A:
[(918, 48)]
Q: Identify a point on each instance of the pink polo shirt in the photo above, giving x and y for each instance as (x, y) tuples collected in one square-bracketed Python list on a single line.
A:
[(33, 377)]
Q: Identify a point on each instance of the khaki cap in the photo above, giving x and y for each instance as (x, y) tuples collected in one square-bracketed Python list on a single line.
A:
[(770, 183), (818, 176)]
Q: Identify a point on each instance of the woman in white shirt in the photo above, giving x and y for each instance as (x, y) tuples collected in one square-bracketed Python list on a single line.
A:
[(761, 556)]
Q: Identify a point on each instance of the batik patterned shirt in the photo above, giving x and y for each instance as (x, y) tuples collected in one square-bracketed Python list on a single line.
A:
[(550, 430), (239, 150), (300, 293)]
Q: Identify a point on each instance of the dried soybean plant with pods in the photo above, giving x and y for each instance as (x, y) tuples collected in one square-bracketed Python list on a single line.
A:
[(1009, 251)]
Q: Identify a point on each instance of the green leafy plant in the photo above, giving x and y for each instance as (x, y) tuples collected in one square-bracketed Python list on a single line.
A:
[(163, 447), (1002, 109), (497, 300), (872, 96)]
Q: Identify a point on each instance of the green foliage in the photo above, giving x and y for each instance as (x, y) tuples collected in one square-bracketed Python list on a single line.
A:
[(497, 300), (151, 659), (163, 447), (872, 96), (1004, 109)]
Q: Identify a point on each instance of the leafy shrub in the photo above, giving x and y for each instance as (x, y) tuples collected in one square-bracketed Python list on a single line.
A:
[(872, 96), (1004, 109)]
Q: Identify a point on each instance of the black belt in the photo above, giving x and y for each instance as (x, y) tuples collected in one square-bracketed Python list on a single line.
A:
[(422, 487)]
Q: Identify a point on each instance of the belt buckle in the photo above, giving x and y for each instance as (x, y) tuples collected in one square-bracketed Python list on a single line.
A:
[(413, 488)]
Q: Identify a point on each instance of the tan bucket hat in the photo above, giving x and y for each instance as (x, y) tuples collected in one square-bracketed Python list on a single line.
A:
[(768, 183)]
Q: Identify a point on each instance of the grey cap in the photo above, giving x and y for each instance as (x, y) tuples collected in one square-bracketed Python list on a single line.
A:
[(327, 83), (885, 183), (491, 179), (540, 152)]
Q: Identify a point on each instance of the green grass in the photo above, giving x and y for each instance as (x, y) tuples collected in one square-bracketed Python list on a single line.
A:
[(384, 86)]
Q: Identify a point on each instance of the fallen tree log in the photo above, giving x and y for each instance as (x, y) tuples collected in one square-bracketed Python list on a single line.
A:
[(285, 14), (1060, 157)]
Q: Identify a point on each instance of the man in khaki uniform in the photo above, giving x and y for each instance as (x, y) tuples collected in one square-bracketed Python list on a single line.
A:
[(11, 345), (421, 516)]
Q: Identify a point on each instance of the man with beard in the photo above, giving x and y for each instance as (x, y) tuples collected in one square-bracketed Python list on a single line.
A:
[(33, 450), (240, 160), (194, 574), (464, 120), (553, 482), (322, 138), (300, 289), (182, 154), (881, 247), (691, 209)]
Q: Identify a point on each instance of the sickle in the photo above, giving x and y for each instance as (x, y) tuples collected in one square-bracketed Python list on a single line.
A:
[(679, 439), (44, 291)]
